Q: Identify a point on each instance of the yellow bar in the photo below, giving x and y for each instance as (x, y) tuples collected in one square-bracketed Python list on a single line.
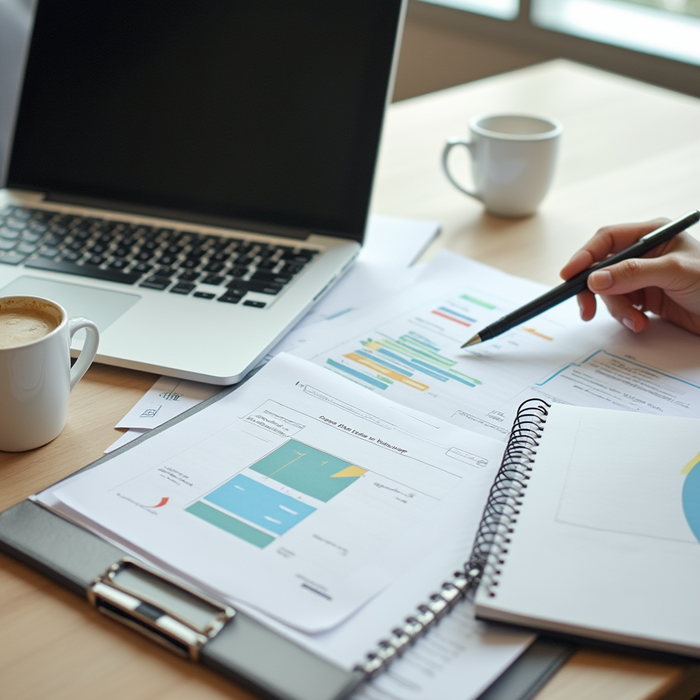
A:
[(387, 372)]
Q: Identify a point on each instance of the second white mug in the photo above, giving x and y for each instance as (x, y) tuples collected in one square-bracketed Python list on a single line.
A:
[(513, 157)]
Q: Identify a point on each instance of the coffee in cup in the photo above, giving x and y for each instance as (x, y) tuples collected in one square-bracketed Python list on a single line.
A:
[(35, 369), (25, 320)]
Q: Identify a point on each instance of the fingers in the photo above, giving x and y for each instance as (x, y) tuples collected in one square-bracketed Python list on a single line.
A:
[(623, 310), (637, 273), (587, 305), (608, 241)]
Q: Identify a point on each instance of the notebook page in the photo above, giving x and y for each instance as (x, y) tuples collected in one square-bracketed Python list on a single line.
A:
[(607, 541)]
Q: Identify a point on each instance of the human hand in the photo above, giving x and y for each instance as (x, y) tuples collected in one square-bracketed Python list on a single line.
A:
[(665, 282)]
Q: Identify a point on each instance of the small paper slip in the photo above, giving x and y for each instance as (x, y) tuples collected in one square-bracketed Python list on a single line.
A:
[(125, 439), (392, 240), (167, 398)]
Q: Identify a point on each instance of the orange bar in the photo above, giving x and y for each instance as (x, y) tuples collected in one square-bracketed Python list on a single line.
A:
[(451, 318), (539, 335), (380, 369)]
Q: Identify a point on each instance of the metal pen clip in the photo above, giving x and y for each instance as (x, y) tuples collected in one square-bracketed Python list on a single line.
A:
[(159, 606)]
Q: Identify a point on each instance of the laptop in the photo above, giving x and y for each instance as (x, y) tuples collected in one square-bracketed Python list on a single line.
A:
[(193, 175)]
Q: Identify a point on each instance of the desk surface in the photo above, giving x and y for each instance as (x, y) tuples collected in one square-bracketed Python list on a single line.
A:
[(629, 152)]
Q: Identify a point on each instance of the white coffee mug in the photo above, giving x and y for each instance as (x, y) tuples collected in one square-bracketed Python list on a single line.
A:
[(513, 158), (35, 369)]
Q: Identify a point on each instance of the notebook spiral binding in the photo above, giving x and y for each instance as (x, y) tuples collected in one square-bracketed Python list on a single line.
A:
[(490, 544)]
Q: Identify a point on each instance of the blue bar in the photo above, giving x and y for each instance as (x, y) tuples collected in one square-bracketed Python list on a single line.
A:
[(422, 364), (420, 339), (259, 504), (407, 344), (358, 375), (454, 313), (403, 360), (384, 363)]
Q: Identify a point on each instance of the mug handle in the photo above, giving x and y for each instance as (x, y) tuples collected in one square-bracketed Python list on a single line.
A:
[(451, 143), (87, 354)]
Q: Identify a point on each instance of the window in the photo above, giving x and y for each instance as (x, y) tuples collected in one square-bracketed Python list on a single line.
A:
[(669, 28), (503, 9), (666, 28)]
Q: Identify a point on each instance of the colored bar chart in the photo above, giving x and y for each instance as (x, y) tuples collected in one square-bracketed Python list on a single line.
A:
[(308, 470), (410, 359), (259, 504), (258, 513)]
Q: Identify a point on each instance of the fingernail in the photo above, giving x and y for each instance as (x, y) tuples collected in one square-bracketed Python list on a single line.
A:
[(600, 280), (628, 322)]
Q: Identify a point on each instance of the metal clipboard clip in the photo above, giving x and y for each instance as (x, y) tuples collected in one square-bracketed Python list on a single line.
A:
[(159, 606)]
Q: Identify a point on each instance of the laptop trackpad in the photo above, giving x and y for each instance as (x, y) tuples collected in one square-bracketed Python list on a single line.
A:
[(99, 305)]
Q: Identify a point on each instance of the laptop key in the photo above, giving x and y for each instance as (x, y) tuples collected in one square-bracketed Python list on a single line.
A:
[(213, 279), (12, 258), (253, 286), (49, 252), (204, 295), (254, 304), (188, 276), (156, 283), (71, 268), (26, 248), (230, 298), (182, 288), (263, 276), (214, 267)]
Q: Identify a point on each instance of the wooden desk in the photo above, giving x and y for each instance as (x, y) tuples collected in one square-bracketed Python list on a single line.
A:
[(629, 152)]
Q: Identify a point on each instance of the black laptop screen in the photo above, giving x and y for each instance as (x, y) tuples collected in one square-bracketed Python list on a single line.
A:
[(267, 112)]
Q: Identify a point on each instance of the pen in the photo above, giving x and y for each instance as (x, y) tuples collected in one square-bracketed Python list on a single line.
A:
[(579, 282)]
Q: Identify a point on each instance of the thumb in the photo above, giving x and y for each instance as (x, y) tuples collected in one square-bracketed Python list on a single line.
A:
[(634, 274)]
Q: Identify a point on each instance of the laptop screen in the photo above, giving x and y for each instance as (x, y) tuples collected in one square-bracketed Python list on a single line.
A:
[(263, 113)]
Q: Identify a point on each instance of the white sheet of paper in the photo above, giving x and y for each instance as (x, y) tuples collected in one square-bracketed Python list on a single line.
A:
[(408, 349), (232, 484), (167, 398), (393, 240), (125, 439)]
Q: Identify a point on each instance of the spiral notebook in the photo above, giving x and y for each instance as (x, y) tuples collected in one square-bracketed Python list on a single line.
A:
[(592, 528)]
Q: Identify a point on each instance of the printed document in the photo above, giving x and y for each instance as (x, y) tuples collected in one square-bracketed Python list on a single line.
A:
[(299, 494), (408, 349)]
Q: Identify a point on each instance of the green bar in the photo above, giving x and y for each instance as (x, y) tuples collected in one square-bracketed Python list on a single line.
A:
[(230, 525), (485, 304)]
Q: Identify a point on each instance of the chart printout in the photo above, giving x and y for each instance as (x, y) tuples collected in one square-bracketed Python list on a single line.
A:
[(299, 493), (408, 350)]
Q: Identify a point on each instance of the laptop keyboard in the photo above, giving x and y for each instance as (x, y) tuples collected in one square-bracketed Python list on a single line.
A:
[(230, 270)]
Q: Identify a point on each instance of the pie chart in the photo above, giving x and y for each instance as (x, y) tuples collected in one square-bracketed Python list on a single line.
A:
[(691, 496)]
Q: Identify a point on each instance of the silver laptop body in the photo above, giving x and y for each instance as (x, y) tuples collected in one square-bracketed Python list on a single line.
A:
[(193, 175)]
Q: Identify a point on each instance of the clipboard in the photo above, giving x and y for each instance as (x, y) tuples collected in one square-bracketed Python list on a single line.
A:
[(205, 631)]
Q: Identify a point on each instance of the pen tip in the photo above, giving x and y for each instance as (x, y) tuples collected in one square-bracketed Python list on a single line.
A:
[(472, 341)]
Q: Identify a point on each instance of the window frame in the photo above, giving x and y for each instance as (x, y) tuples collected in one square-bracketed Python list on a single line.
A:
[(522, 33)]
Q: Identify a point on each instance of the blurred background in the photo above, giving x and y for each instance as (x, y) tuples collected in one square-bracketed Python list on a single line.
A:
[(449, 42)]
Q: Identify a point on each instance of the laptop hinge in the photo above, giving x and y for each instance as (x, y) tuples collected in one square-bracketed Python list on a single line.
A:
[(176, 215)]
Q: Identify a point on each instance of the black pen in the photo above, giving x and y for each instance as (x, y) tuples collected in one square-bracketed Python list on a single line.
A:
[(579, 282)]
